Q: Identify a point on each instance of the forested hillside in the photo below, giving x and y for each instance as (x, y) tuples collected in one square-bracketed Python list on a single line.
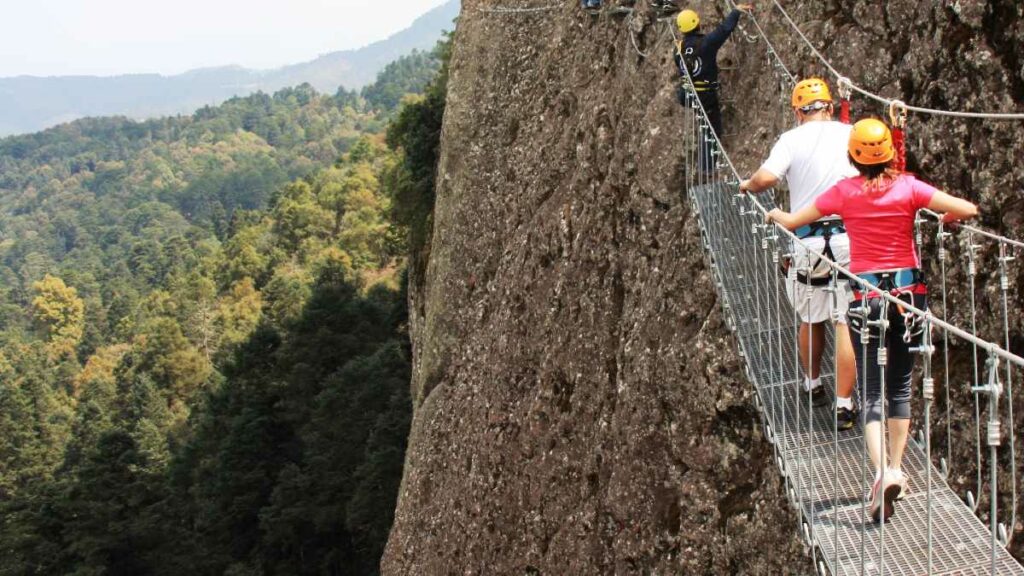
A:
[(204, 365)]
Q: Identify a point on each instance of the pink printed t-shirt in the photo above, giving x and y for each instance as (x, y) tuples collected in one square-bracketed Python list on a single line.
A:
[(881, 228)]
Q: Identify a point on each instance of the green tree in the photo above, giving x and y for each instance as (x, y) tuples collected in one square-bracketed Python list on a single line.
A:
[(416, 135), (177, 367), (298, 215), (59, 311), (239, 312)]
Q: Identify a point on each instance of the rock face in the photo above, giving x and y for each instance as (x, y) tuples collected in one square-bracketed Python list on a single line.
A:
[(580, 407)]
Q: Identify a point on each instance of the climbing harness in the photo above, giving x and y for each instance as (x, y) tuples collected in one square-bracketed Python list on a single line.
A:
[(705, 86), (824, 229), (896, 282)]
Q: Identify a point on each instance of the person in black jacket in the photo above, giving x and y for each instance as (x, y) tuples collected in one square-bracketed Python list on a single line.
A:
[(697, 54)]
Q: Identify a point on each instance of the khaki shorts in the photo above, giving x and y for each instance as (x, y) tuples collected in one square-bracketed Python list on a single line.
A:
[(815, 304)]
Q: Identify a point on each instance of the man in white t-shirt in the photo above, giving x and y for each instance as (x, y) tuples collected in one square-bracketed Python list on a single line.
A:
[(811, 158)]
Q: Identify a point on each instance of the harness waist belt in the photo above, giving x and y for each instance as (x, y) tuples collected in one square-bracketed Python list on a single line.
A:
[(704, 85), (813, 281), (892, 280), (820, 228)]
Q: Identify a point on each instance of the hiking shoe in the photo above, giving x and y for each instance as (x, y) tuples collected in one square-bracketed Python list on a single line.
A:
[(883, 494), (845, 418), (819, 396)]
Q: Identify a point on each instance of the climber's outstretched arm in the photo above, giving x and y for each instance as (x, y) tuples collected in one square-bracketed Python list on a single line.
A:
[(954, 208), (789, 221), (759, 182)]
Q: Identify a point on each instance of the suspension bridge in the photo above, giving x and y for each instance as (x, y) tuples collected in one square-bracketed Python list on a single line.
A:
[(826, 472)]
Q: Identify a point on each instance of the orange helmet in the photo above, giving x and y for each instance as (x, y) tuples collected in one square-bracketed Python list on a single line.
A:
[(810, 90), (871, 142)]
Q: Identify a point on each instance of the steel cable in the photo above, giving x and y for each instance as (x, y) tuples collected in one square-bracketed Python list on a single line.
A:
[(889, 101)]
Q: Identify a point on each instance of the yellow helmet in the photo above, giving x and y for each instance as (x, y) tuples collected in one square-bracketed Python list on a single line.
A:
[(687, 21), (871, 142), (810, 90)]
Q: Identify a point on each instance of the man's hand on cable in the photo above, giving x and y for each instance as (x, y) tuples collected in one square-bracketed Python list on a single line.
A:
[(759, 181), (745, 8)]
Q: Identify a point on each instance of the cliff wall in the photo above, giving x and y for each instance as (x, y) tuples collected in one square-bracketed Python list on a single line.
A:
[(580, 407)]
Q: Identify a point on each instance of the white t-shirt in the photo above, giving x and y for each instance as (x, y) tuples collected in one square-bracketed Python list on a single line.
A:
[(811, 158)]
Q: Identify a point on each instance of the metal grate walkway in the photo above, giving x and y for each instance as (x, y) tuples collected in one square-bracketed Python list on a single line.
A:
[(827, 474)]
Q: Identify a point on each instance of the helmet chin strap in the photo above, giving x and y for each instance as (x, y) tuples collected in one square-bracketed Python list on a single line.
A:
[(813, 112), (815, 106)]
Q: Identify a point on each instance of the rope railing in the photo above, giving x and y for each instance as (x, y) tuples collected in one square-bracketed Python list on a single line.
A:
[(728, 254)]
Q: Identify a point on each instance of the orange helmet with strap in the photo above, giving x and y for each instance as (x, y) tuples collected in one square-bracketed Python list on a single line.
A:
[(871, 142), (809, 91)]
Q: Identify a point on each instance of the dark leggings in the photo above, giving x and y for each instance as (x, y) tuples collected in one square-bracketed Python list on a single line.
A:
[(899, 367)]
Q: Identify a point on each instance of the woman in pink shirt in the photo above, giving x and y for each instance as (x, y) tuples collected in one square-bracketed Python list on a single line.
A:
[(878, 208)]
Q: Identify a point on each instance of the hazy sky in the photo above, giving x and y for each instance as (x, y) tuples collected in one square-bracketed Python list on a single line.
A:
[(58, 37)]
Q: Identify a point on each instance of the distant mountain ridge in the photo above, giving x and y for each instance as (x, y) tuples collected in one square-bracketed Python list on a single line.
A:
[(30, 104)]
